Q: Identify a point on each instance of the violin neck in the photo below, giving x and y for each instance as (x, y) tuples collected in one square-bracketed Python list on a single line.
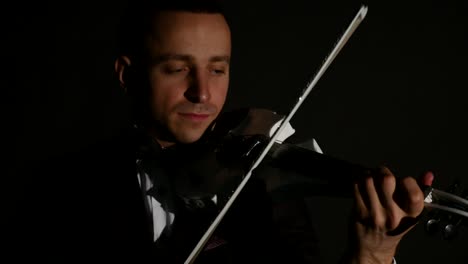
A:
[(310, 173)]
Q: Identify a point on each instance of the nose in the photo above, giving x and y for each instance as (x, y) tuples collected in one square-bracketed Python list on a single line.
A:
[(198, 90)]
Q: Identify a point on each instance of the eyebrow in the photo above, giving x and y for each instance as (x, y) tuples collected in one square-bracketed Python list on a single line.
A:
[(185, 57), (224, 58)]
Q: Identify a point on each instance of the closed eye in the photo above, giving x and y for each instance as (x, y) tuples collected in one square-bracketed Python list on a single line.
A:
[(175, 70), (218, 71)]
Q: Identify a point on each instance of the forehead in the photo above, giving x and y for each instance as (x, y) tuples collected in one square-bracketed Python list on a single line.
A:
[(189, 33)]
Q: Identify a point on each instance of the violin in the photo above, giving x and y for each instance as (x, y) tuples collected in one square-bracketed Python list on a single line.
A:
[(250, 142), (214, 166)]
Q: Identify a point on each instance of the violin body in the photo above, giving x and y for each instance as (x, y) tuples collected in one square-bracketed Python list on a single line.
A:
[(258, 223)]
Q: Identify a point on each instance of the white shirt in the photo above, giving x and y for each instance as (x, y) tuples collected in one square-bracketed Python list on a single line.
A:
[(160, 217)]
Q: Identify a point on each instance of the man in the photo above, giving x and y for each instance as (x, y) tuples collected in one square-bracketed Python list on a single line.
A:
[(174, 65), (187, 61)]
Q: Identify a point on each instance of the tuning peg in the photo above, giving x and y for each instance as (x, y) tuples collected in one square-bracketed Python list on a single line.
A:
[(433, 223), (432, 226), (451, 230), (451, 210)]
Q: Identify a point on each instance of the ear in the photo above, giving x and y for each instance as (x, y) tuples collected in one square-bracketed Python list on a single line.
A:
[(121, 66)]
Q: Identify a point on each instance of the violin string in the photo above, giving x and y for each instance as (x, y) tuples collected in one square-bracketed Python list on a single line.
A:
[(446, 208), (329, 59), (438, 194)]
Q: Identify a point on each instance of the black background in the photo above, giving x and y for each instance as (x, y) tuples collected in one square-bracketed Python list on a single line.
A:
[(395, 95)]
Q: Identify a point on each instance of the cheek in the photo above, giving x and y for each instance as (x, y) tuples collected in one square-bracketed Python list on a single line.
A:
[(220, 92), (165, 94)]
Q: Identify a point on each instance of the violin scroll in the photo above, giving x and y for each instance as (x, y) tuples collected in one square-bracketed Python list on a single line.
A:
[(448, 211)]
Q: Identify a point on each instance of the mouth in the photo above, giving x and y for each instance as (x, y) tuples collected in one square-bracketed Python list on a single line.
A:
[(194, 116)]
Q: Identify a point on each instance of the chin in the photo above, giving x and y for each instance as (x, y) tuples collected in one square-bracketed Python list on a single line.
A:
[(187, 139), (189, 133)]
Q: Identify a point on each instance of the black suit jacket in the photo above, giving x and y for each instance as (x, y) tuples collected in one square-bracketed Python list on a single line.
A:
[(88, 206)]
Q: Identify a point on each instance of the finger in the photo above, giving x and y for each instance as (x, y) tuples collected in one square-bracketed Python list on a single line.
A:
[(386, 188), (411, 198), (376, 208), (427, 179), (361, 207)]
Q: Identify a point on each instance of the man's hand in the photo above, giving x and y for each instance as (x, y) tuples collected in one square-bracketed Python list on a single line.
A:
[(385, 210)]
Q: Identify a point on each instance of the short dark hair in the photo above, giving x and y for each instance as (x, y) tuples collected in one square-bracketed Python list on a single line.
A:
[(136, 23)]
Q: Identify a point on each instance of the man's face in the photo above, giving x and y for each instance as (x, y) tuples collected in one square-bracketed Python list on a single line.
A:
[(189, 73)]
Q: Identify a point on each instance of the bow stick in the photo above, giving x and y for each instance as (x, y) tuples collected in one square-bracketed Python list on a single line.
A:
[(361, 14)]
